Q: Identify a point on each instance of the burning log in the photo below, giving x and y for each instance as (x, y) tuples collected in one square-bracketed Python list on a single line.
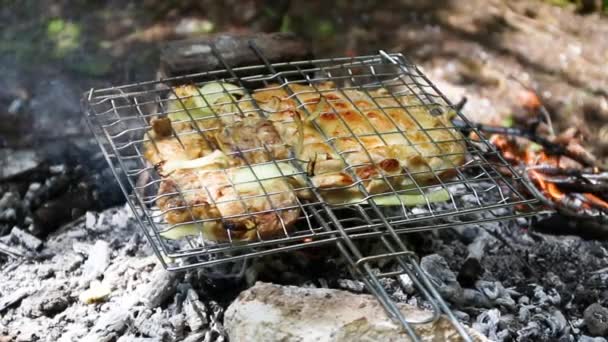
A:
[(564, 175), (554, 147)]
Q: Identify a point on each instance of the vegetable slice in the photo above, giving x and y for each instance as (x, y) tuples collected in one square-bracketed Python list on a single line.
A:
[(189, 100), (436, 196)]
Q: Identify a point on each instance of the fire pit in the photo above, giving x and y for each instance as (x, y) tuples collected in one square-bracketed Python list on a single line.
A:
[(120, 118), (485, 274)]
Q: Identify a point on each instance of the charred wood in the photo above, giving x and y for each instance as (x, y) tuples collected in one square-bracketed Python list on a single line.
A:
[(190, 56), (558, 224)]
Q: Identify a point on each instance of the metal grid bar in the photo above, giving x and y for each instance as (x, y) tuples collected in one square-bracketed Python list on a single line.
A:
[(119, 118)]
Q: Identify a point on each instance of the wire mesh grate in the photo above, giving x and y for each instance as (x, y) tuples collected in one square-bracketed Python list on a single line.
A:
[(121, 118), (273, 181)]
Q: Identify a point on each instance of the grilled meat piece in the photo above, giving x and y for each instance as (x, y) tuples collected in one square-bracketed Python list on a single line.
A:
[(201, 179), (186, 147), (252, 140), (229, 204), (372, 134), (345, 137)]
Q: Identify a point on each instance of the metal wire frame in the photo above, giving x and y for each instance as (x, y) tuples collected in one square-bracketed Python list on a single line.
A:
[(119, 118)]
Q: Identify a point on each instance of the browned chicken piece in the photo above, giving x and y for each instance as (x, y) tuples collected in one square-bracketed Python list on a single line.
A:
[(202, 183), (229, 204), (373, 135), (188, 146), (252, 140), (346, 137)]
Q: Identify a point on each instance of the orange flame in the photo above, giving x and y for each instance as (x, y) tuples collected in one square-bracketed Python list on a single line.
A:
[(528, 154), (596, 200)]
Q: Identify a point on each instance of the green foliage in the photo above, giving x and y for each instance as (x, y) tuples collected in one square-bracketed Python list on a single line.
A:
[(92, 65), (507, 121), (286, 25), (65, 35), (325, 28), (560, 3)]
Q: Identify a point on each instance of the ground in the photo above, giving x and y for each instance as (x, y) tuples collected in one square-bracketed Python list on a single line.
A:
[(53, 51)]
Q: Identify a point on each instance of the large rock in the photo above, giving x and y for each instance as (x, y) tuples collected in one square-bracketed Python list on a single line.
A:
[(268, 312)]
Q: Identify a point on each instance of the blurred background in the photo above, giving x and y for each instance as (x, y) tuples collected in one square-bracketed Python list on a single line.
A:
[(503, 56)]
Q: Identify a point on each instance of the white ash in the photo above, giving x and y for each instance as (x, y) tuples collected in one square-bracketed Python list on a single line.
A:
[(505, 300), (15, 162), (40, 296)]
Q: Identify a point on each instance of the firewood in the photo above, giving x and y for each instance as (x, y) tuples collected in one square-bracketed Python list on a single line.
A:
[(190, 56)]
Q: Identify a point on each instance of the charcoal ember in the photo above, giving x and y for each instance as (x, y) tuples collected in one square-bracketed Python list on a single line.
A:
[(13, 298), (496, 293), (407, 284), (10, 211), (585, 338), (135, 338), (72, 204), (48, 302), (32, 194), (161, 287), (470, 272), (596, 320), (16, 162), (475, 299), (490, 324), (110, 325), (26, 239), (545, 326), (5, 228), (439, 272), (106, 191), (153, 323), (546, 298), (199, 337), (196, 312)]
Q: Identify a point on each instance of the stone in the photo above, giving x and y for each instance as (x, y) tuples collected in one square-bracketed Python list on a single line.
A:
[(268, 312), (596, 319)]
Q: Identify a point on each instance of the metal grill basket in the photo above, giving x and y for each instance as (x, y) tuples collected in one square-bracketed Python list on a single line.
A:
[(120, 119)]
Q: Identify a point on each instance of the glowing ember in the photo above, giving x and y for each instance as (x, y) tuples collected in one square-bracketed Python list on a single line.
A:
[(532, 157), (596, 200)]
